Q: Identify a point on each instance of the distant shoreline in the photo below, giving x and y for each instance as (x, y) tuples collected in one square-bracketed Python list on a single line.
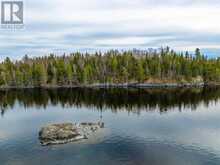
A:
[(113, 69), (125, 85)]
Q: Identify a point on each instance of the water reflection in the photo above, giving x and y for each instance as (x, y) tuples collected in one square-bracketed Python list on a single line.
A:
[(150, 138), (133, 100)]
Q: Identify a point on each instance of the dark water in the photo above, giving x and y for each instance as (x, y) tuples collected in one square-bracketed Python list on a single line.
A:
[(142, 127)]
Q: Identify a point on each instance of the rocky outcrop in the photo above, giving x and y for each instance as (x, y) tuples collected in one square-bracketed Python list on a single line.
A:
[(67, 132)]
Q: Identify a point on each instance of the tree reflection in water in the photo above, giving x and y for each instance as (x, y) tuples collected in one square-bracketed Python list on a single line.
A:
[(131, 100)]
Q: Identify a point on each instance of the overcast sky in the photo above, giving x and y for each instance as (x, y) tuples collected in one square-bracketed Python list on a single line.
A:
[(86, 25)]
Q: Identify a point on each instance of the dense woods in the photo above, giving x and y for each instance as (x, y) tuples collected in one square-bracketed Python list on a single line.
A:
[(113, 66)]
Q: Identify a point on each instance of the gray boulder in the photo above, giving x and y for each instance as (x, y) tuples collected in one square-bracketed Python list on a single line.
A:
[(67, 132)]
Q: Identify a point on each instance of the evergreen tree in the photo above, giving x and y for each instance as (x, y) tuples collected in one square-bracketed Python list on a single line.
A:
[(111, 67)]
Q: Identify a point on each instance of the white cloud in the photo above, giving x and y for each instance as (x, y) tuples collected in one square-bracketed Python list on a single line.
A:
[(94, 23), (127, 41)]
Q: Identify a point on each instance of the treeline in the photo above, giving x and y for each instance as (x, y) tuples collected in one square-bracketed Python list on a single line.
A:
[(112, 67)]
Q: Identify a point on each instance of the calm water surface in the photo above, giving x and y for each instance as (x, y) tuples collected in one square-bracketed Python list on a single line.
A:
[(142, 127)]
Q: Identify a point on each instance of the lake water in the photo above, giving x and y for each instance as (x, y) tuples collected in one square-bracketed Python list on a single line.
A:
[(142, 126)]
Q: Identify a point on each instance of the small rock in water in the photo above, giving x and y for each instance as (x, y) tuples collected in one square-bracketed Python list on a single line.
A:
[(67, 132)]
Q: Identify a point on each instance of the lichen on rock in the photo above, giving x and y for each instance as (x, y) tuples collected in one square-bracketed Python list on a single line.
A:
[(67, 132)]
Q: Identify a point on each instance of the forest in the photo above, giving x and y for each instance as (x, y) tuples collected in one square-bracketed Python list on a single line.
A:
[(112, 67)]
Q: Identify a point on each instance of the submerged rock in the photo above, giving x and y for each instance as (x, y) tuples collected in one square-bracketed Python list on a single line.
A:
[(67, 132)]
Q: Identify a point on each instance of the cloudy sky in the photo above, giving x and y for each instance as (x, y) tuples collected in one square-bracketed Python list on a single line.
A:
[(57, 26)]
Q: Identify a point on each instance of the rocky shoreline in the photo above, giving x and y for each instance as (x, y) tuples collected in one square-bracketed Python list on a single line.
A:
[(67, 132), (148, 85), (120, 85)]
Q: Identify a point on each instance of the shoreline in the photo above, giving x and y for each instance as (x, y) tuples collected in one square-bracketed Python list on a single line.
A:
[(125, 85)]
